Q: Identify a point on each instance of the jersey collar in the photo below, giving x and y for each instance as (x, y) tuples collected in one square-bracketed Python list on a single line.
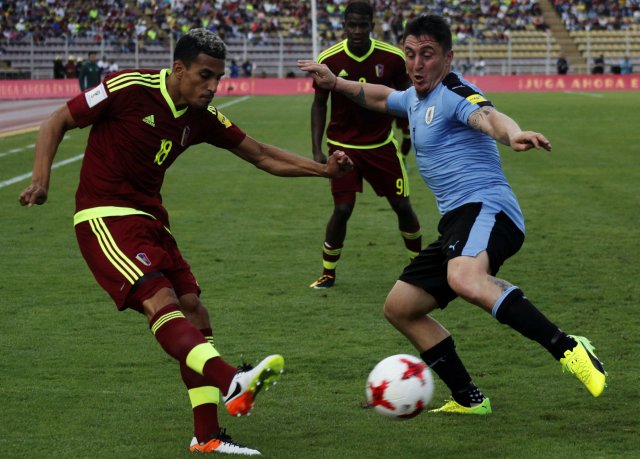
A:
[(358, 58), (164, 73)]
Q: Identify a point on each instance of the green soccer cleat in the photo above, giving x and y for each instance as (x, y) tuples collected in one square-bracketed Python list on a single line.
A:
[(325, 281), (452, 406), (584, 365)]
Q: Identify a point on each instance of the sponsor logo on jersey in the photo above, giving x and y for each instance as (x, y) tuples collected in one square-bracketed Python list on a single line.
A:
[(476, 99), (142, 258), (379, 70), (150, 120), (96, 95), (428, 117), (343, 73)]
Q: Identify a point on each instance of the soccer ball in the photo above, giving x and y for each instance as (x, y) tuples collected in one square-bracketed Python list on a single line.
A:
[(400, 386)]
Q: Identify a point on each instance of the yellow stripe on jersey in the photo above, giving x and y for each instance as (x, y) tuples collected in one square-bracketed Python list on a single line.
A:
[(342, 47), (390, 138), (390, 48), (166, 318), (131, 78), (330, 51), (202, 395), (112, 252)]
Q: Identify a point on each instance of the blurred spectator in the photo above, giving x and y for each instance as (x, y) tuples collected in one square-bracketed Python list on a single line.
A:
[(480, 66), (113, 66), (598, 65), (247, 68), (58, 68), (70, 67), (562, 65), (90, 73), (234, 71), (626, 67)]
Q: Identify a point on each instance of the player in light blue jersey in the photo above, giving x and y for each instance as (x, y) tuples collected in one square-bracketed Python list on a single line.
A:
[(454, 130)]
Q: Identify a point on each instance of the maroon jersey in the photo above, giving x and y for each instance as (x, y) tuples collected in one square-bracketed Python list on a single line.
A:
[(136, 134), (351, 125)]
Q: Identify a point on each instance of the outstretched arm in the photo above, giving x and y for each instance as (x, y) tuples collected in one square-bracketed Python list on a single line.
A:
[(280, 162), (318, 123), (50, 135), (371, 96), (506, 131)]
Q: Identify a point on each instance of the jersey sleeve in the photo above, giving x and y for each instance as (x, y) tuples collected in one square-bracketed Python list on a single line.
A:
[(90, 105), (469, 97), (397, 103), (223, 133)]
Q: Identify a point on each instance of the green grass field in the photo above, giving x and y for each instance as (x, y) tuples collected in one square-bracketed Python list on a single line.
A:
[(80, 380)]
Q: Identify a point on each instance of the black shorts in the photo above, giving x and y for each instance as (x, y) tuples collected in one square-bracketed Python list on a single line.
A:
[(465, 231)]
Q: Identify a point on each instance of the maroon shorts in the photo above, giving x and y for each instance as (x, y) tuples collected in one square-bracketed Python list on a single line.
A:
[(132, 257), (382, 167)]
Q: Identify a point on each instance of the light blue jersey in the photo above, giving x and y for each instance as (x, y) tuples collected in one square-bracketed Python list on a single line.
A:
[(458, 163)]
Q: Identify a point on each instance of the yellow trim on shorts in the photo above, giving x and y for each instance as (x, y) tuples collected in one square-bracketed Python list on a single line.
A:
[(390, 138), (405, 176), (205, 394), (106, 211), (112, 252)]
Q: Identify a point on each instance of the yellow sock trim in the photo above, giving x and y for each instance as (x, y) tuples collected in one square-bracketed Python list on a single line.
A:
[(199, 355), (205, 394), (411, 236), (166, 318), (329, 264), (329, 251)]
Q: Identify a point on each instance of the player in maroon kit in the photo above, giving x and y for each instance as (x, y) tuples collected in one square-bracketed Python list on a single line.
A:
[(142, 120), (366, 136)]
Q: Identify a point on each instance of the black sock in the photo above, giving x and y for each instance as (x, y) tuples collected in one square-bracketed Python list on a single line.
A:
[(443, 359), (516, 311)]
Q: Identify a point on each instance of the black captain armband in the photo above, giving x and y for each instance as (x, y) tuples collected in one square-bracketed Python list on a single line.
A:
[(453, 83)]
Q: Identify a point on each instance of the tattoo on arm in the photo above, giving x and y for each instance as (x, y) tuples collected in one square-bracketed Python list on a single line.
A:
[(503, 284), (476, 117), (360, 97)]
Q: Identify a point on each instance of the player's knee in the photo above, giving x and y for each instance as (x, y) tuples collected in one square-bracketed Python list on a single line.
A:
[(397, 309), (191, 303), (194, 310), (465, 284), (342, 211)]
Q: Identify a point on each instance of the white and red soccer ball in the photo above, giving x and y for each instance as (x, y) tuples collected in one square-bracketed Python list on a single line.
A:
[(400, 386)]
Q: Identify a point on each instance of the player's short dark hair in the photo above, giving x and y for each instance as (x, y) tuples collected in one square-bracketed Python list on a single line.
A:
[(361, 7), (432, 25), (198, 41)]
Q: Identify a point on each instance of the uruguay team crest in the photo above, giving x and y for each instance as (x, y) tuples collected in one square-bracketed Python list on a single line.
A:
[(379, 70), (428, 117)]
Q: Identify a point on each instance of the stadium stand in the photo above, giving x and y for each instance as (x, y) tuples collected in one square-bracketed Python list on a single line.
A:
[(525, 36)]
